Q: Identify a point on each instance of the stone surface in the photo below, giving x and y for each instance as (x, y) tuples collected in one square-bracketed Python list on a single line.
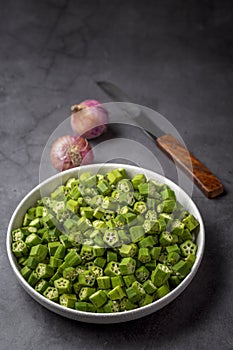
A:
[(172, 56)]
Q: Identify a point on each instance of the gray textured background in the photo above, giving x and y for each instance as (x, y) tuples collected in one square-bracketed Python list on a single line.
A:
[(174, 56)]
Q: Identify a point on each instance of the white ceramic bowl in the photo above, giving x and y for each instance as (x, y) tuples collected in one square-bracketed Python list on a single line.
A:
[(47, 187)]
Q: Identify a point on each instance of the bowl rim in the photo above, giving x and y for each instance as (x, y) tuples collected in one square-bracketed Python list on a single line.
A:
[(116, 316)]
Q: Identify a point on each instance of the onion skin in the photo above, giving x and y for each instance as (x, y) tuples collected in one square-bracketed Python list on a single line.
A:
[(69, 152), (89, 119)]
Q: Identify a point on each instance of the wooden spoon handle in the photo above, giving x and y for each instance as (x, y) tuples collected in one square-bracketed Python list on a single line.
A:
[(206, 181)]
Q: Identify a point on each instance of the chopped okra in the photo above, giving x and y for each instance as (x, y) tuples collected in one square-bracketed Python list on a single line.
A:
[(106, 243)]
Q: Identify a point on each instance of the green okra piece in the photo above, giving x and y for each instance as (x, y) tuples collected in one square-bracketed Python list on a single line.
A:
[(124, 185), (72, 259), (142, 274), (112, 269), (87, 212), (100, 261), (27, 219), (85, 306), (68, 300), (151, 203), (72, 205), (70, 273), (112, 306), (135, 292), (77, 287), (39, 212), (44, 270), (98, 271), (60, 251), (137, 180), (126, 198), (86, 292), (165, 238), (52, 247), (51, 293), (19, 248), (190, 259), (103, 187), (87, 252), (173, 248), (148, 242), (166, 206), (144, 255), (127, 266), (111, 237), (149, 287), (160, 275), (17, 235), (181, 268), (151, 227), (128, 250), (33, 278), (173, 257), (145, 300), (75, 193), (162, 291), (86, 278), (155, 252), (151, 265), (177, 228), (32, 240), (188, 247), (111, 256), (191, 223), (31, 262), (140, 207), (98, 251), (167, 193), (174, 281), (35, 223), (63, 285), (41, 286), (136, 233), (104, 282), (116, 293), (114, 176), (117, 281), (124, 236), (151, 215), (129, 279), (25, 272), (98, 298)]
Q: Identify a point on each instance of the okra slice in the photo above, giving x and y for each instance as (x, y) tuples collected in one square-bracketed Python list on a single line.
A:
[(51, 293), (160, 275), (188, 247), (112, 269), (140, 207), (125, 185), (144, 255), (44, 270), (41, 286), (60, 251), (70, 273), (97, 271), (68, 300), (33, 278), (32, 240), (25, 272), (173, 257), (87, 253), (104, 282), (98, 298), (165, 238), (136, 233), (142, 274), (19, 248), (162, 291), (104, 187), (190, 259), (85, 306), (17, 235), (148, 242), (63, 285), (117, 281), (129, 279), (135, 292), (137, 180), (181, 269), (116, 293), (111, 237), (145, 300), (126, 198), (112, 306), (127, 266), (191, 223), (100, 261), (85, 293), (72, 259), (149, 287), (86, 278)]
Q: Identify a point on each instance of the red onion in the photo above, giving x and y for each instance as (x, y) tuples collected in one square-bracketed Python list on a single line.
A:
[(70, 152), (89, 119)]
